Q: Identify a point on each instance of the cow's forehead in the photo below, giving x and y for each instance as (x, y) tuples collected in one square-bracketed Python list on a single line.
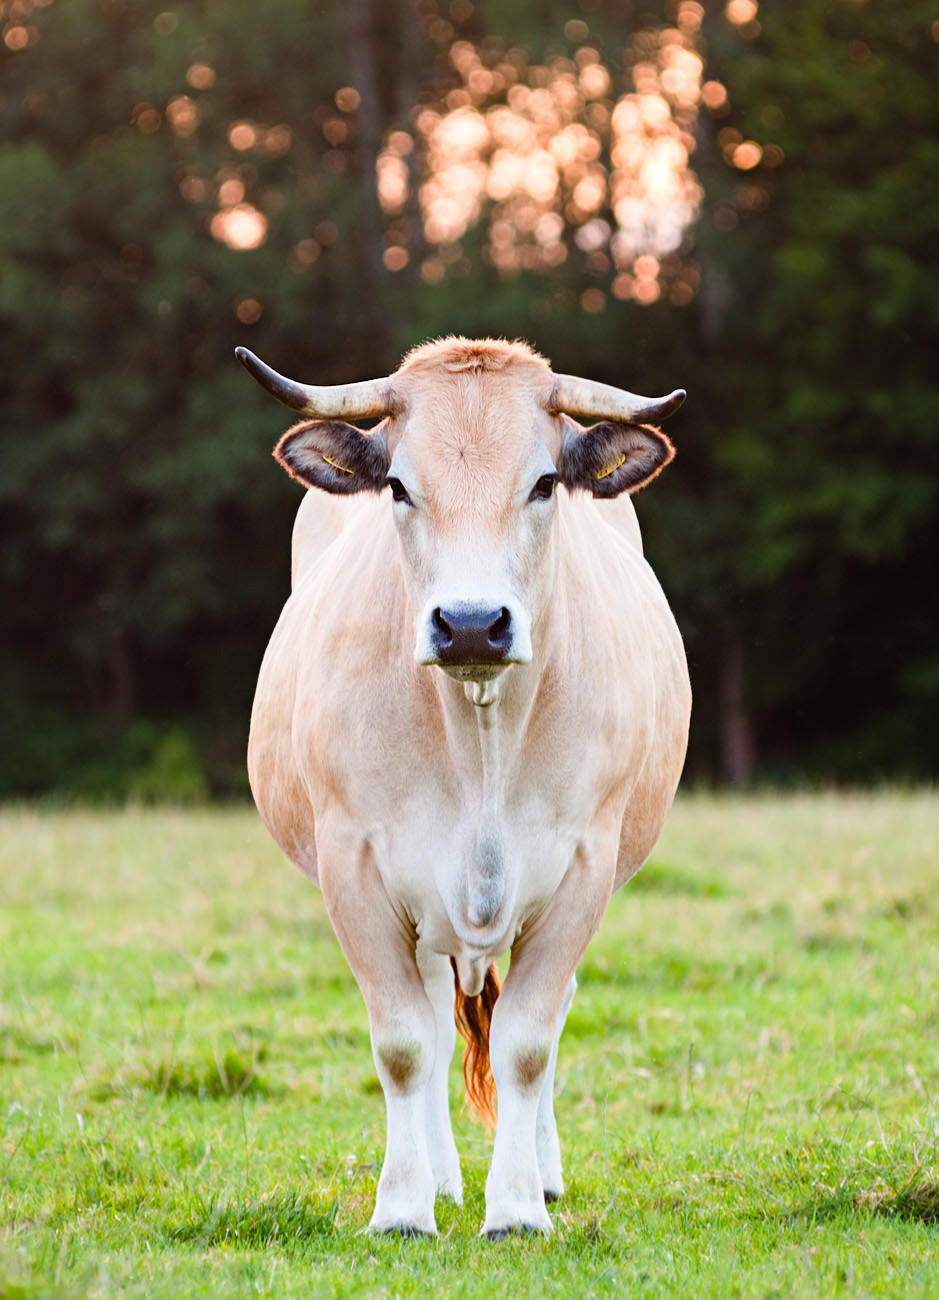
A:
[(472, 412)]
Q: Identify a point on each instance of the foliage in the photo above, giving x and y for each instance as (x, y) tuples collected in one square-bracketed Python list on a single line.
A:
[(746, 1088), (144, 531)]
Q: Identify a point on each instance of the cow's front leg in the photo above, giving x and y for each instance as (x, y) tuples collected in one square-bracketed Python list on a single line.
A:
[(380, 947), (526, 1023), (437, 975), (547, 1142)]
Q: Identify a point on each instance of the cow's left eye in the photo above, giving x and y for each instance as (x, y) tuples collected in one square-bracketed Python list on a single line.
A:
[(544, 488), (398, 491)]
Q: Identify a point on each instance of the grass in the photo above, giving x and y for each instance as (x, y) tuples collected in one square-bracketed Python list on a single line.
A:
[(747, 1091)]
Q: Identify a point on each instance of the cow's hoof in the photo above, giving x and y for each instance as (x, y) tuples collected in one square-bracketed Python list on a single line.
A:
[(407, 1230), (550, 1197), (518, 1230)]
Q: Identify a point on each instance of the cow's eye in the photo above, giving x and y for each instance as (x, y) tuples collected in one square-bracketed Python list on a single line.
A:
[(398, 491), (544, 488)]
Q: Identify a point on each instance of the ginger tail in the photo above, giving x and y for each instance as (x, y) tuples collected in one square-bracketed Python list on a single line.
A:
[(473, 1017)]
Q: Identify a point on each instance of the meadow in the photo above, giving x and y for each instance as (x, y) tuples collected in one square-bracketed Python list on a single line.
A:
[(747, 1089)]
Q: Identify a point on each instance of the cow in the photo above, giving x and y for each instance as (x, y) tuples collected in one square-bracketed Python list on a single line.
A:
[(469, 727)]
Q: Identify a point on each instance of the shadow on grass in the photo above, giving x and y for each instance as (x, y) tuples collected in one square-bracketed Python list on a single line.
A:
[(916, 1200), (232, 1073), (287, 1220)]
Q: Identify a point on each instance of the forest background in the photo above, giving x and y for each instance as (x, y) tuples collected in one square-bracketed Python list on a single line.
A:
[(740, 199)]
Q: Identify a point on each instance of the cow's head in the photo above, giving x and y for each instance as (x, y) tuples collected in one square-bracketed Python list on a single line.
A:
[(475, 438)]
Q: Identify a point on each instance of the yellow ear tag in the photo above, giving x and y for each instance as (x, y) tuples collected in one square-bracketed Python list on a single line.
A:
[(335, 464), (609, 469)]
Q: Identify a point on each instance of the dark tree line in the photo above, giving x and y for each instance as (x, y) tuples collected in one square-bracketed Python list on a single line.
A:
[(174, 182)]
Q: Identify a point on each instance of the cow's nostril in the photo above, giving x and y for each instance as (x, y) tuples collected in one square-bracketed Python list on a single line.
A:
[(499, 632), (443, 628)]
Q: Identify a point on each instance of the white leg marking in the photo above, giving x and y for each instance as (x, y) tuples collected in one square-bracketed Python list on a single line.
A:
[(547, 1142), (437, 975)]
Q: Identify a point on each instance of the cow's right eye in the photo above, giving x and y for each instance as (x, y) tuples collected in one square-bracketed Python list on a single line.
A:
[(544, 488), (398, 491)]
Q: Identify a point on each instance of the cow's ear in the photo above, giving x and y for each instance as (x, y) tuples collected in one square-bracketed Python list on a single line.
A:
[(334, 456), (610, 458)]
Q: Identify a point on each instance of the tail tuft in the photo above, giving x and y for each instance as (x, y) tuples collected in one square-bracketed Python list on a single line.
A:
[(473, 1017)]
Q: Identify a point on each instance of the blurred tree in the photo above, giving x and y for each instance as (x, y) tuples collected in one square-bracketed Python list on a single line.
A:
[(172, 182), (820, 329), (176, 181)]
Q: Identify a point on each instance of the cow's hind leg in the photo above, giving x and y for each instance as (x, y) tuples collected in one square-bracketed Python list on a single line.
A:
[(380, 948), (525, 1026), (437, 974), (547, 1143)]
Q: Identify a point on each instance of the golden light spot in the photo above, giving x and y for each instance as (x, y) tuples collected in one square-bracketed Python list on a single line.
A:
[(194, 189), (396, 258), (549, 228), (200, 76), (242, 136), (741, 11), (401, 143), (593, 235), (681, 293), (16, 38), (690, 16), (335, 130), (146, 118), (440, 31), (623, 285), (432, 270), (165, 23), (182, 115), (593, 301), (576, 30), (747, 155), (773, 155), (590, 193), (231, 191), (647, 291), (241, 227), (248, 310), (348, 99), (392, 175), (646, 267), (714, 94), (594, 81), (306, 252), (278, 141)]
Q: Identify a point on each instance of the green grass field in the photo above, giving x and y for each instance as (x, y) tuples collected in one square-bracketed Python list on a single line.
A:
[(747, 1091)]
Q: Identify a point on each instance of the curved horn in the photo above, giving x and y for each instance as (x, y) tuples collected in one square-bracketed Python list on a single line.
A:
[(346, 401), (584, 397)]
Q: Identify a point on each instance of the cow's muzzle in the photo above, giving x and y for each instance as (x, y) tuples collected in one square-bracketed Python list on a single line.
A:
[(470, 635)]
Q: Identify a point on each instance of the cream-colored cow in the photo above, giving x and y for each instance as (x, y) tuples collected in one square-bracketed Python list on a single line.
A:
[(469, 726)]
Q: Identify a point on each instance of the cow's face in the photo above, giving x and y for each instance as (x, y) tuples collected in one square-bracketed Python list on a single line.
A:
[(472, 463), (473, 480)]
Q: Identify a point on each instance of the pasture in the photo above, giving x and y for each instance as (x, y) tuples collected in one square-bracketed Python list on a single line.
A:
[(747, 1088)]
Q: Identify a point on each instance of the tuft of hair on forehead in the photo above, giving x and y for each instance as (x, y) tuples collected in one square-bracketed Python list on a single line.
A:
[(456, 354)]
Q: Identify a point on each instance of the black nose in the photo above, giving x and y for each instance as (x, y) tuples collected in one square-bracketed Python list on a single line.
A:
[(467, 634)]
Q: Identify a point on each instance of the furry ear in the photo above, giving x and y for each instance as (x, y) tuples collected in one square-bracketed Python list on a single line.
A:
[(334, 456), (610, 458)]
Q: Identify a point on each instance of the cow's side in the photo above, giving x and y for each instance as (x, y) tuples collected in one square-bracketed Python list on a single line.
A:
[(439, 826)]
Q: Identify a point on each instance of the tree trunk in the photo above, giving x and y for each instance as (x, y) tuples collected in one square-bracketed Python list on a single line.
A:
[(364, 65), (736, 729)]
